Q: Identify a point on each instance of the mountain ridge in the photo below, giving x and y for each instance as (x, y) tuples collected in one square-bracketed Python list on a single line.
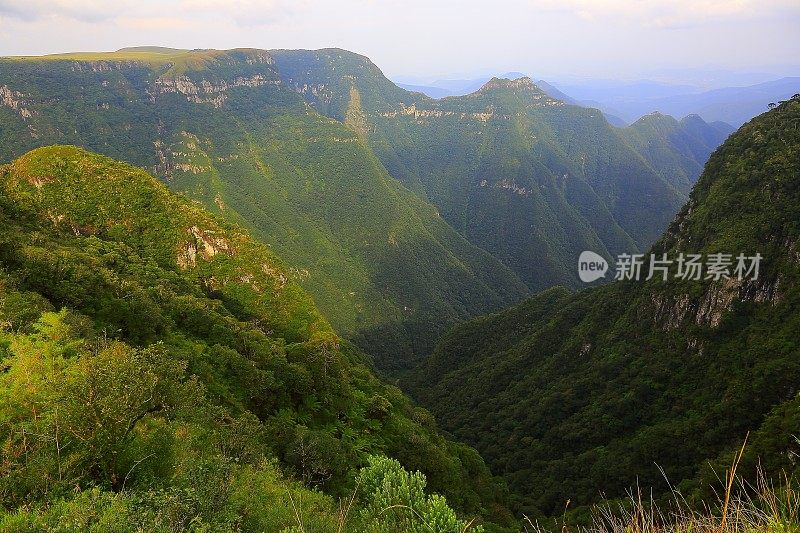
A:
[(513, 137)]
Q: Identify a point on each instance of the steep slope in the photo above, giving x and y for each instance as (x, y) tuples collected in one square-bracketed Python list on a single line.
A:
[(518, 173), (677, 149), (221, 127), (579, 396), (191, 348)]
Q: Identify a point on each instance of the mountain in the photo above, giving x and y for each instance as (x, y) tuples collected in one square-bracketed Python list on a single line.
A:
[(520, 174), (461, 87), (444, 88), (553, 92), (620, 91), (404, 214), (223, 128), (581, 396), (733, 105), (161, 370), (433, 92), (677, 149)]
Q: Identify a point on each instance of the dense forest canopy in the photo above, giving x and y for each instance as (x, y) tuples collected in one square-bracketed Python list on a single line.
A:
[(404, 214), (217, 269)]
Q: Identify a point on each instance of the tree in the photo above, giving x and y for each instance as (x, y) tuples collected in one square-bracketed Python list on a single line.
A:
[(394, 500), (71, 408)]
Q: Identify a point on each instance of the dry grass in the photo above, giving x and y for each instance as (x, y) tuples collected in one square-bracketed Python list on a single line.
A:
[(762, 507)]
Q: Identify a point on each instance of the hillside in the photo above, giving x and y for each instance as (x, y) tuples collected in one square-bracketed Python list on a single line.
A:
[(580, 396), (222, 128), (522, 175), (161, 370)]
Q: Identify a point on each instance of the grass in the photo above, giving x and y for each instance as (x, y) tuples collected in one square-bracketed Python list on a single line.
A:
[(743, 507), (179, 61), (760, 508)]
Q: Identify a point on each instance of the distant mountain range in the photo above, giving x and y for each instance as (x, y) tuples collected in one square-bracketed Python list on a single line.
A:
[(625, 102), (734, 105)]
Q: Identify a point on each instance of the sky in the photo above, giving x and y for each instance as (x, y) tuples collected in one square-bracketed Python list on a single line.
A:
[(610, 39)]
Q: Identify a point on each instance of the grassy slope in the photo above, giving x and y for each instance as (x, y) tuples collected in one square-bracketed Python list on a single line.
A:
[(574, 396)]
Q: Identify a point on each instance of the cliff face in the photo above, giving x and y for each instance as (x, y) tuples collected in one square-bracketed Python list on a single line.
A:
[(205, 91), (15, 101)]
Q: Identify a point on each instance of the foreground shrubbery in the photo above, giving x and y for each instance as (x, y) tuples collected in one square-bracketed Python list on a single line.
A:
[(98, 435)]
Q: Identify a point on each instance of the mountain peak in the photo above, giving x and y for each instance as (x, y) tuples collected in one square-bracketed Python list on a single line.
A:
[(504, 83)]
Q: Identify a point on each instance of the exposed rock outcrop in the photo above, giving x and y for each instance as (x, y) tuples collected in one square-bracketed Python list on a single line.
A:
[(15, 100)]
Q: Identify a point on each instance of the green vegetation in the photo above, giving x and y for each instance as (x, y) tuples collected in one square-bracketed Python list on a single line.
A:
[(521, 183), (521, 175), (161, 371), (742, 507), (580, 396), (222, 128), (396, 501)]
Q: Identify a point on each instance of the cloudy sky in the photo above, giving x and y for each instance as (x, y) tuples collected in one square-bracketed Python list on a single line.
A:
[(597, 38)]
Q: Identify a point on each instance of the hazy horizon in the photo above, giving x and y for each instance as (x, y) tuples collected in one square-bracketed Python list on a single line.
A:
[(570, 39)]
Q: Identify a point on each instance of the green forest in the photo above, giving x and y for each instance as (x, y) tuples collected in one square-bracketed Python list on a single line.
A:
[(270, 290), (162, 372), (402, 216), (658, 381)]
